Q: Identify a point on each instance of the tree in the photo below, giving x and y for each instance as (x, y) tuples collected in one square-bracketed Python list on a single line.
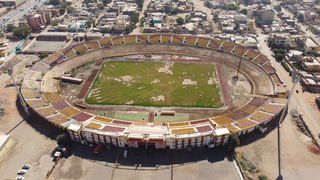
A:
[(89, 23), (104, 30), (22, 31), (54, 2), (180, 21), (216, 17), (262, 177), (101, 6), (43, 55), (63, 140), (187, 19), (234, 142), (62, 10), (237, 26), (63, 4), (230, 7), (314, 53), (70, 9), (301, 18), (271, 43), (55, 22), (129, 28), (142, 21), (248, 2), (140, 3), (105, 2), (278, 8), (244, 11), (10, 27), (279, 56), (134, 18)]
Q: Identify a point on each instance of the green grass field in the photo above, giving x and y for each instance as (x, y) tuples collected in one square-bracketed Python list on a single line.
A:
[(156, 84)]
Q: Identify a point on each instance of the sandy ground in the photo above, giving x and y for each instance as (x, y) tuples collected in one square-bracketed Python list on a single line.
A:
[(297, 161), (30, 146), (102, 166)]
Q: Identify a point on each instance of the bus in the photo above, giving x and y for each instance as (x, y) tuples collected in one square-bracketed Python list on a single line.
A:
[(98, 148)]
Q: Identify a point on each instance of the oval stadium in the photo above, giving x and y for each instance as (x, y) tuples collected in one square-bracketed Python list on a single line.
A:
[(155, 91)]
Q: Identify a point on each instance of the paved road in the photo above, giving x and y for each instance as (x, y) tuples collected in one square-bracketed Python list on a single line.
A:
[(310, 112), (174, 165), (20, 12)]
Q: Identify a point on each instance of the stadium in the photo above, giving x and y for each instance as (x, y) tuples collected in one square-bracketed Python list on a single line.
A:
[(155, 91)]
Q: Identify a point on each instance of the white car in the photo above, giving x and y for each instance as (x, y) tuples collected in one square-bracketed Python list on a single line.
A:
[(22, 171), (26, 166), (19, 178)]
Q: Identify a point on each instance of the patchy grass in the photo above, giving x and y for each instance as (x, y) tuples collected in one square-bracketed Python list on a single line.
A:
[(156, 84)]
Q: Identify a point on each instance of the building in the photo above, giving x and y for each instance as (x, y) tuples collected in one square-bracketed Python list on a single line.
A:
[(159, 138), (282, 40), (39, 20), (36, 21), (266, 16), (310, 82), (312, 64)]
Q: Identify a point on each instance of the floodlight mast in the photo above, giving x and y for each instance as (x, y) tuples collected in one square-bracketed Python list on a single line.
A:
[(10, 73), (236, 77), (295, 80)]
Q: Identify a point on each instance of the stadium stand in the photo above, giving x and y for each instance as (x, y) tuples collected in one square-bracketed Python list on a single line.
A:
[(106, 41), (245, 124), (203, 42), (190, 40), (93, 125), (239, 50), (142, 38), (228, 46), (215, 43), (166, 38), (177, 39), (118, 40), (155, 39), (251, 54), (178, 124), (183, 131), (80, 48), (260, 60), (60, 113), (130, 39), (93, 44), (223, 120)]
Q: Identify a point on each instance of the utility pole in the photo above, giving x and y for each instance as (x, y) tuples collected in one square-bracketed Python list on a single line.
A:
[(10, 72), (295, 80)]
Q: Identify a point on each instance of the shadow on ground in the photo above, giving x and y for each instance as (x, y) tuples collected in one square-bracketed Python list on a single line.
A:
[(256, 134), (150, 158), (37, 123)]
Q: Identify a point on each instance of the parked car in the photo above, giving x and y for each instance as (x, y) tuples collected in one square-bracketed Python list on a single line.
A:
[(26, 166), (19, 178), (22, 171)]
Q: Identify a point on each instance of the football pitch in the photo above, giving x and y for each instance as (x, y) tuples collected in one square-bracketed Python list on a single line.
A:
[(156, 84)]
